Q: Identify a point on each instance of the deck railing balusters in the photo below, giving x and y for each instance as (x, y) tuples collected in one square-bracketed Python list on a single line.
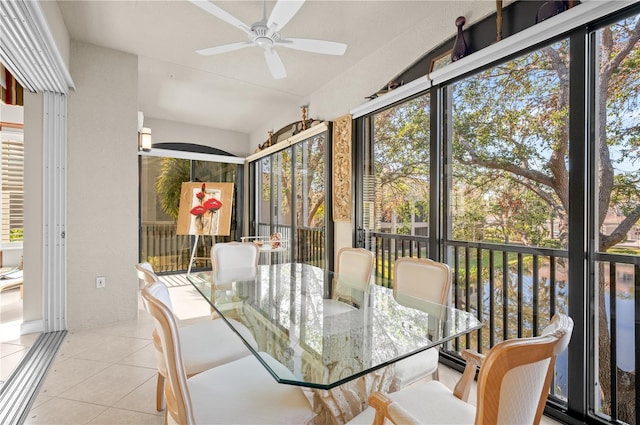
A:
[(520, 295), (613, 354), (535, 299), (492, 299), (533, 280)]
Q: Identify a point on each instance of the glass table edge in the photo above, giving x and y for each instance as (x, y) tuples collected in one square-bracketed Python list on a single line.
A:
[(339, 382)]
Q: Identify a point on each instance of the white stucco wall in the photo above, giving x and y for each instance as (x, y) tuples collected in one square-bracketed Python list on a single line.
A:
[(173, 131), (102, 181)]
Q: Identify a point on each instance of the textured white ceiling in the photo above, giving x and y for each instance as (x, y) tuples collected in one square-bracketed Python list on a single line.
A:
[(232, 90)]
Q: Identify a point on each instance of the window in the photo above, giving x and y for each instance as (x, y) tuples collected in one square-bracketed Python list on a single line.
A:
[(509, 187), (616, 209), (520, 139), (12, 186), (400, 160), (160, 188), (509, 144), (290, 197), (395, 189)]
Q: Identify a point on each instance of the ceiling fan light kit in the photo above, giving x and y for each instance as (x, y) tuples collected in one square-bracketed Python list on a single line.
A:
[(266, 34)]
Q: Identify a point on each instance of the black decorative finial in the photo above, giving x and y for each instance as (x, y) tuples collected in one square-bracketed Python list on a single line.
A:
[(460, 46)]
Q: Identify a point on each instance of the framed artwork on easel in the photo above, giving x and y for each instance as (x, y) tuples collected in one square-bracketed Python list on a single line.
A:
[(205, 209)]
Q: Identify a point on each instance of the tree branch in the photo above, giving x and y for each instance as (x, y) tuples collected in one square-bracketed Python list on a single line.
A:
[(620, 232), (495, 164)]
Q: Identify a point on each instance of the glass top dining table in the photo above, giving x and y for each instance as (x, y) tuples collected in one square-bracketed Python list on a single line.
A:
[(319, 327)]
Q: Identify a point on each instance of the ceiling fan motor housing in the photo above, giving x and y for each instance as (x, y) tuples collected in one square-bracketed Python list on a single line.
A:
[(261, 35)]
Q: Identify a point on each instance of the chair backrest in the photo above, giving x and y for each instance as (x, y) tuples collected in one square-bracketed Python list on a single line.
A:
[(177, 391), (227, 255), (146, 273), (422, 278), (355, 267), (516, 374)]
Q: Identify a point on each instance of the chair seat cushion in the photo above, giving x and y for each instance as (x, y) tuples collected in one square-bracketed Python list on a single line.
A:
[(415, 367), (243, 392), (431, 402), (211, 343)]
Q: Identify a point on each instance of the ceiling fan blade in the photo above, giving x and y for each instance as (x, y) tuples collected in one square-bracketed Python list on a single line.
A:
[(219, 13), (224, 48), (282, 13), (275, 64), (316, 46)]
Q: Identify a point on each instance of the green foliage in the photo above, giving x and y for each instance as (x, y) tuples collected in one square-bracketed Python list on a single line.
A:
[(282, 172), (173, 172), (503, 158), (401, 159), (627, 250), (16, 235)]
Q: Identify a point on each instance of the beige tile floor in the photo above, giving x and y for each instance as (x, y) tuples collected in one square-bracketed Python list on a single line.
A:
[(13, 346), (108, 375), (101, 376)]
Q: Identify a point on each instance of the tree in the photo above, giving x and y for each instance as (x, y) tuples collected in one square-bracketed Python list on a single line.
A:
[(309, 181), (173, 172), (511, 122), (401, 158)]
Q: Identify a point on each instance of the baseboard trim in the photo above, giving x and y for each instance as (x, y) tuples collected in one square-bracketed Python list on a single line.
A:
[(32, 326)]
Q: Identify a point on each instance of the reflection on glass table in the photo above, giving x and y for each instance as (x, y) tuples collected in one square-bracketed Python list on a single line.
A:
[(321, 331), (271, 246)]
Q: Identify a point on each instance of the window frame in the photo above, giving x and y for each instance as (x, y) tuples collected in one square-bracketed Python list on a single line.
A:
[(580, 249), (253, 177)]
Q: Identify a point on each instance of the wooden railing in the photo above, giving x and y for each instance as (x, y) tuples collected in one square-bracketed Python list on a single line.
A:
[(514, 290), (168, 252), (309, 242)]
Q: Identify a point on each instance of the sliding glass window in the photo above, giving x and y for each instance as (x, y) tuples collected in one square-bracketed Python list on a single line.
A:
[(508, 196), (396, 185), (537, 186), (616, 208), (291, 199), (160, 188)]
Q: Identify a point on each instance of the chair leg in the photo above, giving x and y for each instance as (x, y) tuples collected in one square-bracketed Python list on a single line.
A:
[(159, 392), (436, 375)]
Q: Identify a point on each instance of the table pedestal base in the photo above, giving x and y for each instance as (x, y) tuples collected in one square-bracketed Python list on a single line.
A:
[(341, 404)]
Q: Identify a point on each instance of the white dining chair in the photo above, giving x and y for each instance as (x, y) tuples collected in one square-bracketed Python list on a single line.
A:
[(204, 344), (356, 266), (352, 281), (427, 280), (226, 255), (513, 385), (238, 392)]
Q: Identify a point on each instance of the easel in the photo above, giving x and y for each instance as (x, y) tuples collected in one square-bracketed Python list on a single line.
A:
[(193, 252)]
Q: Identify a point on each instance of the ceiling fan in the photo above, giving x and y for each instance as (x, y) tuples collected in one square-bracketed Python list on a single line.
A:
[(266, 34)]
